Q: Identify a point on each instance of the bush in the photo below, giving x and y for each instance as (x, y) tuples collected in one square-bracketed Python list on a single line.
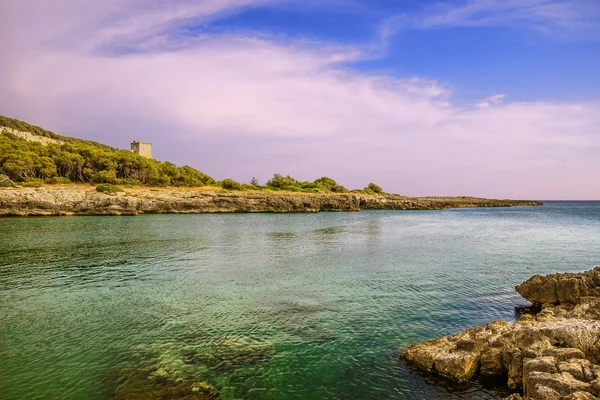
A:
[(248, 186), (230, 184), (307, 185), (107, 188), (325, 183), (161, 180), (57, 180), (5, 181), (128, 182), (280, 181), (339, 189), (32, 182), (105, 177), (374, 188)]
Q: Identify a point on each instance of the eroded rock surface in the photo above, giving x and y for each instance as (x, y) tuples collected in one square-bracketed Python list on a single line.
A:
[(551, 355), (84, 200)]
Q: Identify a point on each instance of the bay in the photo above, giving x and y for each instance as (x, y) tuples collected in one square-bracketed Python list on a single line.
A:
[(320, 305)]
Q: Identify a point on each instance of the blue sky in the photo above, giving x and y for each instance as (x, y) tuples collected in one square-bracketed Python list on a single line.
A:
[(497, 98), (530, 59)]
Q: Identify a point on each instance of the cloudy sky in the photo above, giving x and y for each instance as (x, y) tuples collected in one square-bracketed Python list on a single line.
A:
[(497, 98)]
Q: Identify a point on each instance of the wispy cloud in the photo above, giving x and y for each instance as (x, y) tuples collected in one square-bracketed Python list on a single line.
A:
[(490, 101), (562, 19), (245, 106)]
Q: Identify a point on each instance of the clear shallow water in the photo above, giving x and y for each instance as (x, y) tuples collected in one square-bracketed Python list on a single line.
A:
[(334, 297)]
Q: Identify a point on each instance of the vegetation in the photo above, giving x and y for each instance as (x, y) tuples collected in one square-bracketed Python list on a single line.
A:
[(107, 188), (28, 163), (231, 184), (321, 185), (77, 160)]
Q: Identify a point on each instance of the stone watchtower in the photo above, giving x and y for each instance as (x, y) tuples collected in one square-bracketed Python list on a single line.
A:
[(141, 148)]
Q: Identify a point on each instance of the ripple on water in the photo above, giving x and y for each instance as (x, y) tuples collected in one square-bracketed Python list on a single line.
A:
[(265, 306)]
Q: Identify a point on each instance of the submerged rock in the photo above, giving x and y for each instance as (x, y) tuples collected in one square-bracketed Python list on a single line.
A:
[(177, 371), (551, 355)]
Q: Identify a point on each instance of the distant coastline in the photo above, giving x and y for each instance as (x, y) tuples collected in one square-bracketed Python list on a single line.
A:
[(54, 200)]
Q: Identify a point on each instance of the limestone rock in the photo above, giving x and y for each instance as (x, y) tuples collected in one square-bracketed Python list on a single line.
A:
[(561, 288), (541, 392), (552, 355), (84, 200), (563, 383)]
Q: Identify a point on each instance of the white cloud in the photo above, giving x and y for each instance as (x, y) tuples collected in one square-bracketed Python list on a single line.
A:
[(563, 19), (244, 107), (491, 101)]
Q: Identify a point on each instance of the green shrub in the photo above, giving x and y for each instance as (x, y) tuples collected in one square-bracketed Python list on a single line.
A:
[(248, 186), (128, 182), (32, 182), (374, 188), (338, 189), (292, 188), (230, 184), (280, 181), (105, 177), (107, 188), (325, 183), (57, 180), (5, 181), (161, 180), (307, 185)]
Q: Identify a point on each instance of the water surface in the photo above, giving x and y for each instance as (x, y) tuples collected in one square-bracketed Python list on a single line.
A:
[(323, 303)]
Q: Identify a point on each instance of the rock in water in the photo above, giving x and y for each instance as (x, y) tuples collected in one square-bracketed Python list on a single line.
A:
[(180, 371), (551, 355), (561, 288)]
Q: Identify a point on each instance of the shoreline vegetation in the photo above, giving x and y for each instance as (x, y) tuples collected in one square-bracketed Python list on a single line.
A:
[(31, 156), (551, 353), (42, 173)]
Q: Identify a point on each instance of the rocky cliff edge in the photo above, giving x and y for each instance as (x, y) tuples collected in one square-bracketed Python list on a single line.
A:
[(84, 200), (551, 355)]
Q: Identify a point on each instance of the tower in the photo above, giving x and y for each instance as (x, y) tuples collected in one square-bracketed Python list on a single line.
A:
[(141, 148)]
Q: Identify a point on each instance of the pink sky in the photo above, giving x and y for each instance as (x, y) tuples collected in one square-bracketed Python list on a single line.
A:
[(250, 105)]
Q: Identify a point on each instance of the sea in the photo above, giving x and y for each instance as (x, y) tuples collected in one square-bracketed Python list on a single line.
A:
[(266, 306)]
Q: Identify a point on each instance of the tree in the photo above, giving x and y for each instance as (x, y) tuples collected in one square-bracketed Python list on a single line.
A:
[(374, 188), (279, 181), (325, 183)]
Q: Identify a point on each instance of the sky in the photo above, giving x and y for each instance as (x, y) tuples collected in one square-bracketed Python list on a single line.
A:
[(489, 98)]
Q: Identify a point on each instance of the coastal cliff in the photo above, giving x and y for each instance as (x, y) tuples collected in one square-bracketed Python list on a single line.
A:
[(550, 355), (84, 200)]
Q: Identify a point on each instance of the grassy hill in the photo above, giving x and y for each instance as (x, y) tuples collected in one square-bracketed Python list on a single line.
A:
[(77, 160)]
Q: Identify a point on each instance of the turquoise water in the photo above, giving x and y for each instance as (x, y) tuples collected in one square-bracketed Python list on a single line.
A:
[(318, 305)]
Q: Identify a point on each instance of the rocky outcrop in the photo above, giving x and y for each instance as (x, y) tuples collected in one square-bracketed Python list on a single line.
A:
[(551, 355), (561, 288), (84, 200), (43, 140)]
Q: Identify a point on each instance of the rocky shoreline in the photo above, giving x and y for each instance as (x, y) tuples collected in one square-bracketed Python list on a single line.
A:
[(84, 200), (551, 354)]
